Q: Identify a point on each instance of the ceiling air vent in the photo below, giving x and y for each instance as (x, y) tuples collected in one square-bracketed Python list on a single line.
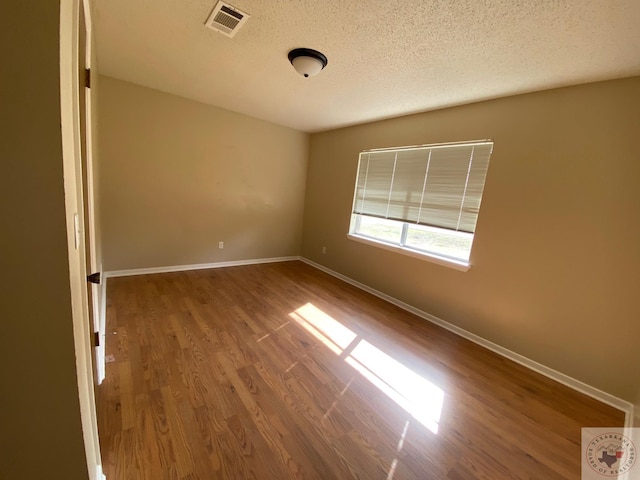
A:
[(226, 19)]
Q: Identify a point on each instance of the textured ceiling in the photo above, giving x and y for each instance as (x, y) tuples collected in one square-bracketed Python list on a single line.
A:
[(386, 58)]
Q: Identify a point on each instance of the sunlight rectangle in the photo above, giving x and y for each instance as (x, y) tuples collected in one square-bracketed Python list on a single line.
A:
[(419, 397), (412, 392), (328, 326), (316, 333)]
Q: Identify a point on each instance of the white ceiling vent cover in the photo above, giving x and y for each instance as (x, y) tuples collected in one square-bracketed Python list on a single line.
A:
[(226, 19)]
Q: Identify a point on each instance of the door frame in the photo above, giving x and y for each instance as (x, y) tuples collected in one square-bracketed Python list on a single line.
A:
[(75, 217), (97, 291)]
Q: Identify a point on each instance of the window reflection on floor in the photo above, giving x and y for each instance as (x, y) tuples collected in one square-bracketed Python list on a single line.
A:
[(416, 395)]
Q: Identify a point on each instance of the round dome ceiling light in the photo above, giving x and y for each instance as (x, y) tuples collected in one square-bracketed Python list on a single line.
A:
[(307, 62)]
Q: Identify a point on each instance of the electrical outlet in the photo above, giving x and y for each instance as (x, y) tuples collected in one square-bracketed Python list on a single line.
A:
[(220, 245), (324, 250)]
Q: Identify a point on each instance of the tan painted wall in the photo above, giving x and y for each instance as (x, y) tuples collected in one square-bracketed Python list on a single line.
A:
[(556, 256), (177, 177), (40, 426)]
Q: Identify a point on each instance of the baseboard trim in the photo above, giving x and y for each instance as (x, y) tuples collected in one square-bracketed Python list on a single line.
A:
[(99, 474), (604, 397), (198, 266)]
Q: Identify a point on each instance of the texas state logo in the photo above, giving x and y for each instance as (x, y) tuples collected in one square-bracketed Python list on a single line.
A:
[(609, 453)]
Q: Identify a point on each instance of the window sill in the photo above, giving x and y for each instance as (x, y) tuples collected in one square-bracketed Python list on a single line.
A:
[(429, 257)]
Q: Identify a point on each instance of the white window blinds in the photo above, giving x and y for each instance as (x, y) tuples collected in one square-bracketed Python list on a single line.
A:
[(436, 185)]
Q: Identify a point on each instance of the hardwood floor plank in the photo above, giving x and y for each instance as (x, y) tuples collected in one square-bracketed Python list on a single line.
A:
[(281, 371), (160, 435), (127, 396)]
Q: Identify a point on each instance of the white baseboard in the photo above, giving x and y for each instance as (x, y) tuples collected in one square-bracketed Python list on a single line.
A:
[(604, 397), (99, 474), (198, 266)]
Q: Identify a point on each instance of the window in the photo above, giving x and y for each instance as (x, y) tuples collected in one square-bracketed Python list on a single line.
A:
[(423, 200)]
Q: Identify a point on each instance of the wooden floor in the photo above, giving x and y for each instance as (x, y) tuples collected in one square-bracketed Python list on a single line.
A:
[(281, 371)]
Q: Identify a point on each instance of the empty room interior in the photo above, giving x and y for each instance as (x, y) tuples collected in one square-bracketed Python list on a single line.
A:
[(322, 239)]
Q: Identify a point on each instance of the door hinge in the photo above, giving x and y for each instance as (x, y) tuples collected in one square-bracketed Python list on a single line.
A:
[(96, 339), (87, 77), (94, 278)]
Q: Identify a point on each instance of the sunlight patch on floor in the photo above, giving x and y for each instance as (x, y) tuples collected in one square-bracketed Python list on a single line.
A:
[(416, 395), (392, 470), (270, 333), (329, 327)]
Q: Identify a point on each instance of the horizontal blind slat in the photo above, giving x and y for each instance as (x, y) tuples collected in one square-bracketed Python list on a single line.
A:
[(406, 196), (378, 184), (446, 180), (475, 187), (440, 187)]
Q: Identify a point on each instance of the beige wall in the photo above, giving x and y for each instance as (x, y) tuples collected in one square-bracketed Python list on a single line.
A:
[(556, 256), (177, 177), (40, 426)]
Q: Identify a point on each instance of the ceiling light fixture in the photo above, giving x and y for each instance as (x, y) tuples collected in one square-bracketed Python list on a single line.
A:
[(307, 62)]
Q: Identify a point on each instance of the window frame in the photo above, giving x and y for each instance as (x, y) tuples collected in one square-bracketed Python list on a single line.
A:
[(400, 246)]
